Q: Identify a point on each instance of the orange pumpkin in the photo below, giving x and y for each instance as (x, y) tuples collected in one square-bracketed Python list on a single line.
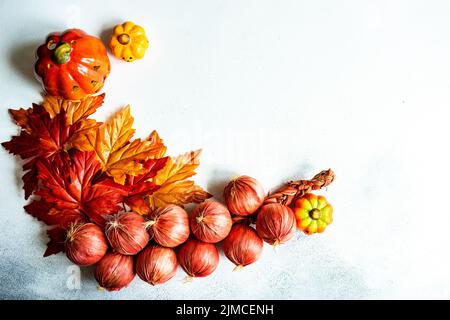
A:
[(72, 65)]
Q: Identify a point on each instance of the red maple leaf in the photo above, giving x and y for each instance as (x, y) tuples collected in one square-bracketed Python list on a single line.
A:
[(57, 236), (140, 186), (69, 192), (42, 136), (74, 190)]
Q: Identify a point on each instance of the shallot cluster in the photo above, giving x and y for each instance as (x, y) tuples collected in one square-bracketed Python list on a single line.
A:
[(133, 244)]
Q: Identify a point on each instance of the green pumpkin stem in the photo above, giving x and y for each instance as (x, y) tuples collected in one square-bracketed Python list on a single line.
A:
[(62, 53)]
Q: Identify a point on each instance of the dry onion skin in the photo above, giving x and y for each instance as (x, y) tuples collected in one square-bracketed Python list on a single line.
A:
[(126, 233), (243, 246), (114, 271), (243, 195), (276, 223), (169, 225), (156, 264), (198, 258), (85, 244), (211, 222)]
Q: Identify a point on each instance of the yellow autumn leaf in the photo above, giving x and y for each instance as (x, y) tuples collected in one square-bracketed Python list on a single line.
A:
[(158, 145), (174, 188), (178, 168), (118, 156)]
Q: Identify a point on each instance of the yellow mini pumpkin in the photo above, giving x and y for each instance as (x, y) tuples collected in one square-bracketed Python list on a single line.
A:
[(128, 41)]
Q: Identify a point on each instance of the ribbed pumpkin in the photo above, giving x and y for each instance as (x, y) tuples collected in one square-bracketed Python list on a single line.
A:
[(313, 213), (128, 41), (72, 64)]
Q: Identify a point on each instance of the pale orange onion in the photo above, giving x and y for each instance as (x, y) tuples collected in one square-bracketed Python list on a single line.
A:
[(126, 233), (85, 244), (198, 258), (169, 225), (211, 222), (156, 264), (114, 271), (243, 195), (243, 246), (275, 223)]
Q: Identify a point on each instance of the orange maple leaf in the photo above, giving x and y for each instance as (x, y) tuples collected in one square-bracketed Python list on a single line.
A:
[(174, 188), (75, 110), (77, 113), (118, 155), (22, 118)]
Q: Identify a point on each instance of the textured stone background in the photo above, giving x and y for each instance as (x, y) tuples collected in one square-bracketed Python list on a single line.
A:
[(276, 90)]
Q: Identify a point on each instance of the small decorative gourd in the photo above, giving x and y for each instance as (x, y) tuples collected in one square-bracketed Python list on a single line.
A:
[(128, 41)]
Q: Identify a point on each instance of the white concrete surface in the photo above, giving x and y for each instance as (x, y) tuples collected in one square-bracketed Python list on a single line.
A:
[(276, 90)]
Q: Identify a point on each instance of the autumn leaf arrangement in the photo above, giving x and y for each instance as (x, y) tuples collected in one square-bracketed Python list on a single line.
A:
[(79, 170), (118, 202)]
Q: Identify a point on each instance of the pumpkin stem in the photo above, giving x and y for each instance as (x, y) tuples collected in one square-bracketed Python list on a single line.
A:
[(315, 214), (62, 53), (124, 39)]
